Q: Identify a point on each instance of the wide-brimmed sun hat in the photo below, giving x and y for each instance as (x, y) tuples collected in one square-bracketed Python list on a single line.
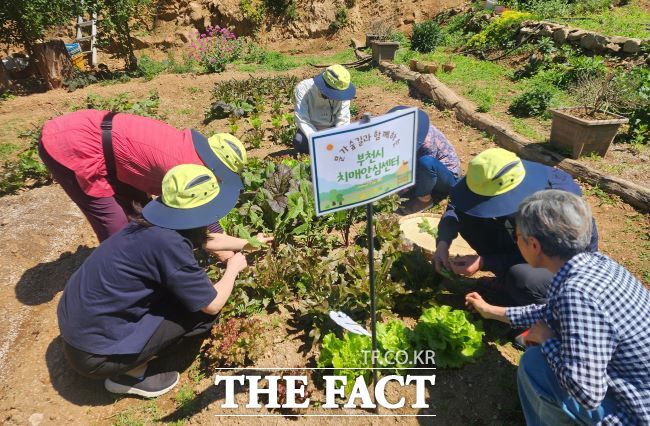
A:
[(335, 83), (497, 181), (192, 197), (223, 153), (423, 122)]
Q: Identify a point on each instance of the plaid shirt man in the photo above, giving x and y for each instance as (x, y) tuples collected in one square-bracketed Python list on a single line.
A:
[(601, 318)]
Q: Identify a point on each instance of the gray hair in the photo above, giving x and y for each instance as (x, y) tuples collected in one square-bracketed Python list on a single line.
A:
[(559, 220)]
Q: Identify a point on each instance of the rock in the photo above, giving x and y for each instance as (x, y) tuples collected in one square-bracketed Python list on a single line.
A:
[(560, 35), (593, 42), (140, 42), (575, 35), (618, 39), (613, 47), (36, 419), (182, 36), (196, 12), (632, 45), (546, 31)]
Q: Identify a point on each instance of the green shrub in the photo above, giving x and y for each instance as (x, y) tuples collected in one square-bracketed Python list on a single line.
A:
[(500, 32), (286, 8), (340, 20), (634, 103), (149, 68), (533, 102), (583, 66), (426, 36)]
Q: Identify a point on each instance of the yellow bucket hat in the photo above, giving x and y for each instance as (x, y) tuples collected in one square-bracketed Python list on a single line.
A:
[(496, 182), (191, 198), (335, 83), (494, 171), (229, 150)]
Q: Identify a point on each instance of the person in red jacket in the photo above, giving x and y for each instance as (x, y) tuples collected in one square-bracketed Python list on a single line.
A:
[(106, 162)]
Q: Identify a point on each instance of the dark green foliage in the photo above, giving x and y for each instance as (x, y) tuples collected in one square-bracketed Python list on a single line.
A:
[(24, 22), (531, 103), (116, 22), (79, 80), (636, 104), (27, 168), (426, 36), (287, 8), (147, 107), (239, 98), (313, 262), (149, 68), (340, 20)]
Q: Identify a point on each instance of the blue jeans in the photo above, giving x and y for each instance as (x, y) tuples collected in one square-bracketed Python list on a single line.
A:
[(432, 177), (545, 402)]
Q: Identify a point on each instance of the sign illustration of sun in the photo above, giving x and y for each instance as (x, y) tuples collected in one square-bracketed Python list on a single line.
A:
[(330, 147)]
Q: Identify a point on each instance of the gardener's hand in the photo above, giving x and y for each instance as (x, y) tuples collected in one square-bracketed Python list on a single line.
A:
[(222, 255), (475, 301), (466, 265), (441, 257), (539, 333), (237, 263), (264, 239)]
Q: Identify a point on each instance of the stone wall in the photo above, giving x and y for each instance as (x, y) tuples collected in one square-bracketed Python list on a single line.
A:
[(588, 40)]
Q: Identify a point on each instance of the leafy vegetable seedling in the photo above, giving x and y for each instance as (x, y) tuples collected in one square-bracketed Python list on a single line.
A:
[(425, 226)]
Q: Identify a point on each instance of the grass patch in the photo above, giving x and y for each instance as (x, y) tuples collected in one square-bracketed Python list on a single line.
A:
[(185, 400), (629, 21), (524, 128), (372, 77), (276, 61)]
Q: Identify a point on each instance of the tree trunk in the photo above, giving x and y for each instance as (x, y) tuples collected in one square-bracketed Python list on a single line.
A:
[(53, 62), (5, 82)]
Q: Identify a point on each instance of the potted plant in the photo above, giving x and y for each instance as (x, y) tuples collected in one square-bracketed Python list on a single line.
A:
[(589, 128), (381, 38)]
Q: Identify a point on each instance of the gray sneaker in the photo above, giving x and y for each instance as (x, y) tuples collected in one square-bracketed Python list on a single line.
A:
[(148, 387)]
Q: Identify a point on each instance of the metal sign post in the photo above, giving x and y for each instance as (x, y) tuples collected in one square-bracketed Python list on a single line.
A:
[(355, 165)]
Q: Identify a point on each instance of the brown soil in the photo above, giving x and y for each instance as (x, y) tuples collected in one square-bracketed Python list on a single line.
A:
[(45, 238)]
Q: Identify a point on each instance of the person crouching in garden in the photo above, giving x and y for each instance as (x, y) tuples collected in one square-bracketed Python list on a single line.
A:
[(142, 289), (482, 209), (437, 169), (322, 102), (106, 162), (591, 359)]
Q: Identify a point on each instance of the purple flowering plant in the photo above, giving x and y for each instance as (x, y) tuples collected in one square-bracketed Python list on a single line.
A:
[(215, 48)]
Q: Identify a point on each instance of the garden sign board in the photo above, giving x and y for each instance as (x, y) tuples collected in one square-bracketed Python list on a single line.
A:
[(364, 161)]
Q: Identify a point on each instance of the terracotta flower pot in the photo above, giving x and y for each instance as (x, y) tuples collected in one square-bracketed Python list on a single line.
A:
[(432, 68), (370, 38), (448, 67), (383, 51), (583, 136)]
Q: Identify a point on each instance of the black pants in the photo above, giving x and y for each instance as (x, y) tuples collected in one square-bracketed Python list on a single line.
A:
[(526, 285), (171, 330), (301, 142)]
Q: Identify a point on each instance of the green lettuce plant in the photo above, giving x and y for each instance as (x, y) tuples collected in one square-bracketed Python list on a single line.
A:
[(450, 333)]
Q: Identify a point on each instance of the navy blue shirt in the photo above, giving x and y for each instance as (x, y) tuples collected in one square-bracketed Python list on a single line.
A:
[(490, 236), (120, 295)]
